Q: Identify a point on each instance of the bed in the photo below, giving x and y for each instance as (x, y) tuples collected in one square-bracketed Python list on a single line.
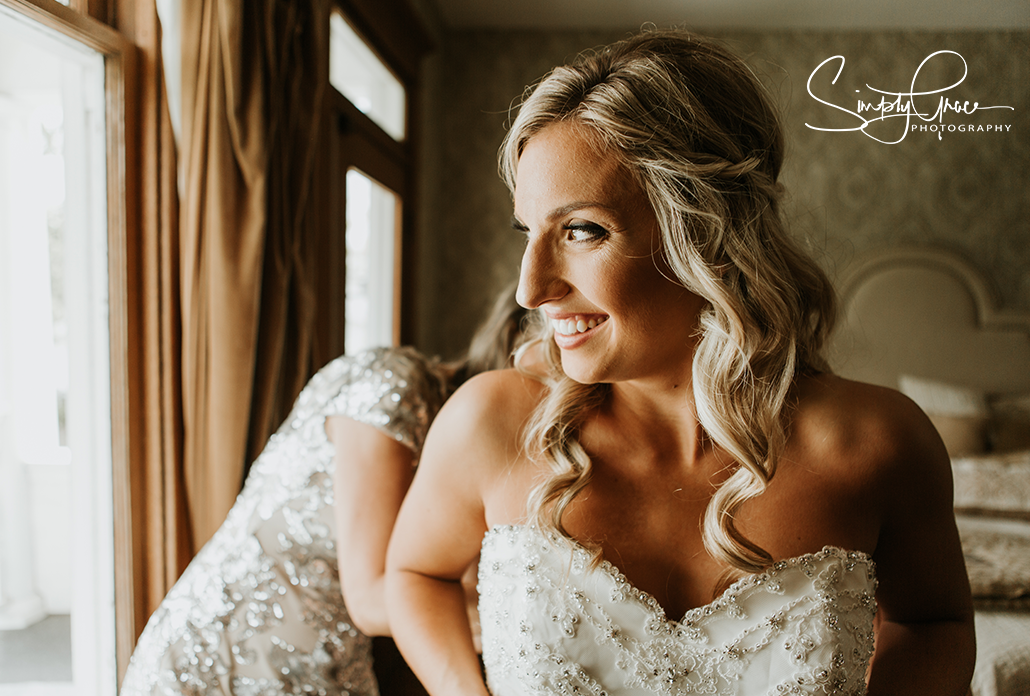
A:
[(926, 322)]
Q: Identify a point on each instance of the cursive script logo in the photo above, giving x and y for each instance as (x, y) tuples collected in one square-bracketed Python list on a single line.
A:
[(900, 105)]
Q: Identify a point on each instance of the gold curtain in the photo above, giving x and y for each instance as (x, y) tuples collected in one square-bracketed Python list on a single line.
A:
[(161, 540), (253, 80), (225, 272), (297, 78), (222, 238)]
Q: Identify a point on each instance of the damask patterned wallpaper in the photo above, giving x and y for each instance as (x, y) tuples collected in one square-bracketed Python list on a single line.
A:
[(962, 189)]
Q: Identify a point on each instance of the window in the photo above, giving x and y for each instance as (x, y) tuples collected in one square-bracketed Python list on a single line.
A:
[(365, 80), (371, 258), (55, 370), (370, 183)]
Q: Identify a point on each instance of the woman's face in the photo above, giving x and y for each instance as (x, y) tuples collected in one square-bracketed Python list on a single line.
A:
[(592, 264)]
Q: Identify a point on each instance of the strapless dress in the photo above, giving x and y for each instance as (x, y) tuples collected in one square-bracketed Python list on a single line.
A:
[(554, 624)]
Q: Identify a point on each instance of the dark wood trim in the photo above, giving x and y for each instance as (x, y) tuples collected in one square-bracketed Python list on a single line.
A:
[(100, 10), (334, 265), (410, 240), (71, 22), (120, 66), (348, 120), (395, 30), (327, 333), (125, 311)]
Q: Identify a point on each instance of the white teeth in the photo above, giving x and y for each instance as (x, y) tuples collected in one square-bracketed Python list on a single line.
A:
[(571, 327)]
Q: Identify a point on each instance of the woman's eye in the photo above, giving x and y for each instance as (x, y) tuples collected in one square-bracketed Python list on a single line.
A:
[(585, 232), (520, 228)]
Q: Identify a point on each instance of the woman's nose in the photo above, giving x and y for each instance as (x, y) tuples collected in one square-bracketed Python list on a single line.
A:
[(540, 278)]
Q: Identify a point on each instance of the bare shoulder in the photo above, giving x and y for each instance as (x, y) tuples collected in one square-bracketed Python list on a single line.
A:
[(863, 425), (484, 418), (474, 450), (877, 456), (492, 402), (501, 387)]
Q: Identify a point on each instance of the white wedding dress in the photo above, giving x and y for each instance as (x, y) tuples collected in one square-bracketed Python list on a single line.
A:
[(552, 624)]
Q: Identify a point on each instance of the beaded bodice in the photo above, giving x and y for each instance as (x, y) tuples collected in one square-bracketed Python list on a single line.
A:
[(554, 624)]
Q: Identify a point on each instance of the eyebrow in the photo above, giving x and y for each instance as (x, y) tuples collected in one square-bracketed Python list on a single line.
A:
[(577, 205), (562, 212)]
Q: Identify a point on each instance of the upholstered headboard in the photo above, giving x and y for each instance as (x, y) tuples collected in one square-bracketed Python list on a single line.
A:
[(928, 313)]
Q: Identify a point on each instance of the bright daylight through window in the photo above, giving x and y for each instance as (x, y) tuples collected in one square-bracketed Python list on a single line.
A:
[(56, 514), (361, 77)]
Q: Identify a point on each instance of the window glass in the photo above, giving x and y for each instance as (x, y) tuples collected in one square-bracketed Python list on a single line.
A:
[(360, 76), (372, 218), (55, 427)]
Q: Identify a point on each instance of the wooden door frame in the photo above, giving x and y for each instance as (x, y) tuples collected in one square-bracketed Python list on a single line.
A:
[(120, 70)]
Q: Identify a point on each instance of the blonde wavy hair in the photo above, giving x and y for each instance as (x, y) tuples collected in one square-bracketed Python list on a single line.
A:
[(698, 130)]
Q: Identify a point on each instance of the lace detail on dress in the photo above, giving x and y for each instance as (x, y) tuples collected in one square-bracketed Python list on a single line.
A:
[(552, 624), (259, 611)]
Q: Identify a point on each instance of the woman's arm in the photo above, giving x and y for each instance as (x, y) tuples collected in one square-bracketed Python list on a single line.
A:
[(373, 473), (432, 632), (440, 529), (925, 641)]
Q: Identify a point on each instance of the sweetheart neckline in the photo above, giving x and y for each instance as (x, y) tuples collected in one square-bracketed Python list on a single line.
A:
[(690, 615)]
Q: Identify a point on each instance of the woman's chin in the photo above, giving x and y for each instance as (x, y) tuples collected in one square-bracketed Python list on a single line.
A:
[(582, 371)]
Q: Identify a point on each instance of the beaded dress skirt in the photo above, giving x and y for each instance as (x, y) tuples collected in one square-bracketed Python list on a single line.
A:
[(259, 612)]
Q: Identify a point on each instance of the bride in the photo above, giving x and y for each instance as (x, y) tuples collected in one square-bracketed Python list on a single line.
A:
[(675, 494)]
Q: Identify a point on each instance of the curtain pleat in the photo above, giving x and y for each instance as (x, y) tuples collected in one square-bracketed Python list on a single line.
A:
[(222, 243), (254, 74), (297, 77), (226, 260), (162, 545)]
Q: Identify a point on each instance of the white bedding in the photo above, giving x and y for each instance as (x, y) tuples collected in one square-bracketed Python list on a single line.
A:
[(997, 484), (1002, 636), (1002, 654)]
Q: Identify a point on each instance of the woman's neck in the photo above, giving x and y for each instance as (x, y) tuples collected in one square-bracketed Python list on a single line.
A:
[(664, 421)]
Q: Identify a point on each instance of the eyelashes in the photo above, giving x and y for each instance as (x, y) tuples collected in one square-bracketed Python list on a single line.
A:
[(522, 230), (574, 231)]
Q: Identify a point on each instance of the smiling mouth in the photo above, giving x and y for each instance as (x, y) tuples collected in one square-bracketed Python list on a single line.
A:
[(571, 327)]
